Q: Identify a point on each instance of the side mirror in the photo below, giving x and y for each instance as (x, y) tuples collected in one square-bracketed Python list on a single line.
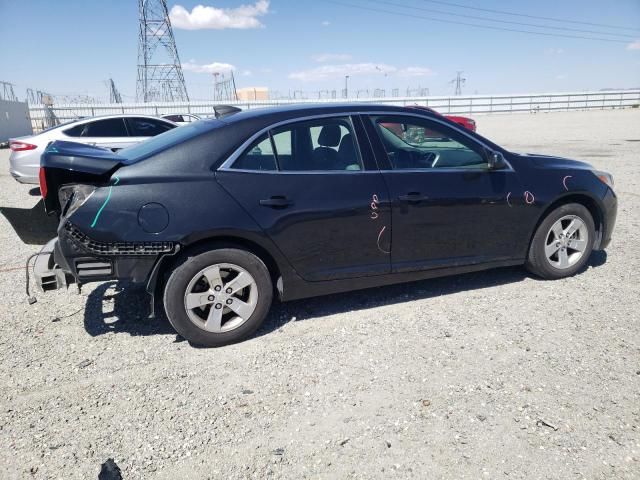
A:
[(496, 161)]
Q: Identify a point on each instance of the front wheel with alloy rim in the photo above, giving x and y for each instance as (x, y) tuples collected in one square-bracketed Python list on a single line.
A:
[(218, 297), (562, 243)]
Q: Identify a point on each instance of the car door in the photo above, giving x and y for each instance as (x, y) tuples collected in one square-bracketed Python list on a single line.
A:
[(141, 128), (108, 133), (448, 207), (314, 188)]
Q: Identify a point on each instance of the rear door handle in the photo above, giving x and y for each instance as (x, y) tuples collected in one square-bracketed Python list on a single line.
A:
[(276, 202), (412, 197)]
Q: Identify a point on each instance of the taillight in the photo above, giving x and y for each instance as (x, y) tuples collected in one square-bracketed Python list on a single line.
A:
[(21, 146), (43, 182)]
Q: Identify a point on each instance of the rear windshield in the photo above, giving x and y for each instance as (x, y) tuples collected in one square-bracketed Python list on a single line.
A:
[(167, 140)]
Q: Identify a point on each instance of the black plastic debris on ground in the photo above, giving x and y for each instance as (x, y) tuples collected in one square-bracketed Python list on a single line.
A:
[(110, 471)]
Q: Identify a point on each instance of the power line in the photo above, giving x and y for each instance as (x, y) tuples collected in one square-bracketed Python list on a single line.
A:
[(514, 14), (487, 27), (486, 19)]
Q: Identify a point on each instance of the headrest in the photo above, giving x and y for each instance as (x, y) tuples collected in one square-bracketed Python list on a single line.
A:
[(330, 136)]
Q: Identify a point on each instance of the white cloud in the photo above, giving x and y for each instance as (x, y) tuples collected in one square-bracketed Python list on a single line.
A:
[(326, 23), (246, 73), (215, 67), (331, 57), (201, 17), (327, 72), (562, 76), (415, 72), (554, 51), (634, 45)]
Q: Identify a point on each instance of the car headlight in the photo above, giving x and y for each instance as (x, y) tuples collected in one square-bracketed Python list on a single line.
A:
[(605, 178), (72, 197)]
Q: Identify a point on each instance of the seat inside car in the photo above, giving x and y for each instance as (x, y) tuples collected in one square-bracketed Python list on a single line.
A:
[(347, 158), (326, 154)]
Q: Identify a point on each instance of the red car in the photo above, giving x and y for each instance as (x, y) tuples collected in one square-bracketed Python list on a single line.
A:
[(467, 123)]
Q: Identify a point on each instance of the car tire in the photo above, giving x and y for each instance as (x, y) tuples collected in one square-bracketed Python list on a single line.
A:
[(555, 252), (200, 302)]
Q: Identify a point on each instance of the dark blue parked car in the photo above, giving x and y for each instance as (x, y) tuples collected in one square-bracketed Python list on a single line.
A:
[(219, 215)]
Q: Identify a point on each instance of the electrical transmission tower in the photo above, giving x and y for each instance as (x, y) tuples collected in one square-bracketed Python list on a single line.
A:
[(224, 89), (38, 97), (459, 82), (114, 94), (6, 92), (159, 70)]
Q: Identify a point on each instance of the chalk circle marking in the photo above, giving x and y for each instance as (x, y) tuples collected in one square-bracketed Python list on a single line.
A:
[(529, 198)]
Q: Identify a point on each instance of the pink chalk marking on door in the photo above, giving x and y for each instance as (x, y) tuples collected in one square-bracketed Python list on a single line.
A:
[(564, 182), (529, 198), (379, 238), (508, 202)]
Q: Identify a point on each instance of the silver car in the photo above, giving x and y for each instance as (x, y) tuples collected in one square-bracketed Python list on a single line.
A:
[(111, 131)]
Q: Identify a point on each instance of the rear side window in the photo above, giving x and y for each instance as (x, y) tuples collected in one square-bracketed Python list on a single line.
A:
[(326, 144), (174, 118), (259, 156), (146, 127), (75, 131), (110, 127)]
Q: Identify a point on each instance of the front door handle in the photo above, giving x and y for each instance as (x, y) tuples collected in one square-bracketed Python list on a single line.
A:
[(412, 197), (276, 202)]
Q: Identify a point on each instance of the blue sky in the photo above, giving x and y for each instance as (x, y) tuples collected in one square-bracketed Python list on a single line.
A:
[(73, 46)]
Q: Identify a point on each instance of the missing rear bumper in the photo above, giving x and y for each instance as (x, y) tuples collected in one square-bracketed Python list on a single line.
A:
[(48, 275)]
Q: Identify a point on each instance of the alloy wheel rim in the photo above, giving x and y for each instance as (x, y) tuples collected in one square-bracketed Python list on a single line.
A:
[(566, 242), (221, 297)]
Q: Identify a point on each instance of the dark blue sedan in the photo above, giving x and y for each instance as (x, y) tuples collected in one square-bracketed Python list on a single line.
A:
[(220, 215)]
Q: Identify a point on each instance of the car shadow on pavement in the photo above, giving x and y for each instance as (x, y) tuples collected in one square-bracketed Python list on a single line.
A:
[(33, 225), (308, 308), (122, 307)]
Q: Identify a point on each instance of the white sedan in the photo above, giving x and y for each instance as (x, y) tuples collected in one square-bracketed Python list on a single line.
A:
[(181, 118), (111, 131)]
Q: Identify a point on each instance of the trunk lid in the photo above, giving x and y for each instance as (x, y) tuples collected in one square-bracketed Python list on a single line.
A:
[(64, 163)]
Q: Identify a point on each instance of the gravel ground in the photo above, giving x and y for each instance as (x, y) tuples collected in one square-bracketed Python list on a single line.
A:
[(487, 375)]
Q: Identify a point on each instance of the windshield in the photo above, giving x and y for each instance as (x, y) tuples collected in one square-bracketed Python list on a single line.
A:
[(167, 140)]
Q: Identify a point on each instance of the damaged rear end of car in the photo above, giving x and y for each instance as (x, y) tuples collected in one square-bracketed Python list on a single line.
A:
[(121, 214), (77, 183)]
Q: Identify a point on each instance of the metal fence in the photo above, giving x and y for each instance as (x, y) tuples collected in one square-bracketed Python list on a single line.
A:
[(43, 116)]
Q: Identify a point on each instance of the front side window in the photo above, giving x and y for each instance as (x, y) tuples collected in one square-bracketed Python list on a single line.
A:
[(146, 127), (414, 143), (326, 144)]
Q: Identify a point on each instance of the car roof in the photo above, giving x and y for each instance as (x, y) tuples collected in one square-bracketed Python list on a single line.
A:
[(285, 112)]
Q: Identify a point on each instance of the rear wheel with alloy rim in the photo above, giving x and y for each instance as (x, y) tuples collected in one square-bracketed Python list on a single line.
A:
[(218, 297), (563, 242)]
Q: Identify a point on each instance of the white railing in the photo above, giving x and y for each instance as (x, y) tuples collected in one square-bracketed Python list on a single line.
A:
[(44, 116)]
